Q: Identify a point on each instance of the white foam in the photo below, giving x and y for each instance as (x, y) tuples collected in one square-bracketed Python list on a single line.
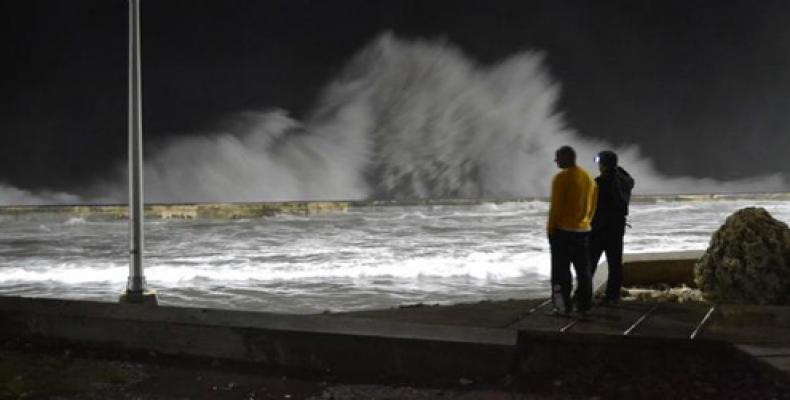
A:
[(447, 251)]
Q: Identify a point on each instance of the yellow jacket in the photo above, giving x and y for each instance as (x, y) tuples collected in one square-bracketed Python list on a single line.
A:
[(574, 196)]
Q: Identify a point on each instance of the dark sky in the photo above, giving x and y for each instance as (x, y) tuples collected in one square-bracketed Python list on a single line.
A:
[(702, 86)]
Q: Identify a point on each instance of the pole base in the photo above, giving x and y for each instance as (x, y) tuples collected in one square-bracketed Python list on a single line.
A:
[(146, 297)]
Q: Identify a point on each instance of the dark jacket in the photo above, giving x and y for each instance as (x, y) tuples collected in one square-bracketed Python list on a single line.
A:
[(614, 195)]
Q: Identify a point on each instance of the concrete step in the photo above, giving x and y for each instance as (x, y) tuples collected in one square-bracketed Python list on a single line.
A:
[(317, 343), (673, 321), (536, 319), (751, 324), (777, 357), (612, 320), (487, 314)]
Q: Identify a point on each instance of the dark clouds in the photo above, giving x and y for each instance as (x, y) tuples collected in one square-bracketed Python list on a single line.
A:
[(703, 87)]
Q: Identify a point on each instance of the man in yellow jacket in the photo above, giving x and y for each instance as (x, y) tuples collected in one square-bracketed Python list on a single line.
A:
[(573, 199)]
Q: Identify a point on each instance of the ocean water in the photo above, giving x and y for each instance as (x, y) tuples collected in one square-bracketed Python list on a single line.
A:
[(374, 257)]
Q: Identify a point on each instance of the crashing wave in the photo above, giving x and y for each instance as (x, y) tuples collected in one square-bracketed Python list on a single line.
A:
[(404, 119)]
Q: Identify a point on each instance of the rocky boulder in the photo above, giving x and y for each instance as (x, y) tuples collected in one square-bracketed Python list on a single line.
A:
[(748, 260)]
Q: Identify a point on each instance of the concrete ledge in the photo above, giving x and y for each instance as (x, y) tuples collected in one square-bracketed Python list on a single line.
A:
[(384, 348), (543, 354), (650, 199), (174, 211), (310, 343), (637, 199), (265, 209), (672, 268), (755, 315), (751, 324)]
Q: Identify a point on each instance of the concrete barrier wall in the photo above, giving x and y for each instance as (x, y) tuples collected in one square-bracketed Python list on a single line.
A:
[(374, 349), (544, 356), (672, 268), (266, 209), (649, 269), (638, 199), (173, 211), (709, 197), (751, 324), (307, 342)]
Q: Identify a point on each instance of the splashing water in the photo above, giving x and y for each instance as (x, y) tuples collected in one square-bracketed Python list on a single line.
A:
[(12, 195), (404, 119)]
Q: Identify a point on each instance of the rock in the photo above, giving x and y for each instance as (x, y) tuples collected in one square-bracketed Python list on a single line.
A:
[(748, 260)]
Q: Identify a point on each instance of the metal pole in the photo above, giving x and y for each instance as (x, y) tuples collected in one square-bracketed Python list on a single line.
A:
[(136, 284)]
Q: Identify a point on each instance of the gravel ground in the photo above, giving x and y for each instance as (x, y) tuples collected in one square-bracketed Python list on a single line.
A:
[(29, 371)]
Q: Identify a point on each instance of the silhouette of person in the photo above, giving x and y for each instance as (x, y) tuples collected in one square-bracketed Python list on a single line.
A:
[(608, 225), (573, 197)]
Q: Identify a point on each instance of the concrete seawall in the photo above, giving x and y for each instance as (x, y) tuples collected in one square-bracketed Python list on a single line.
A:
[(392, 348), (317, 343), (638, 199), (174, 211), (303, 208), (674, 269)]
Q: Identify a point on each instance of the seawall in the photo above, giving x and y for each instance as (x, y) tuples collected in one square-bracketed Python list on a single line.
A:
[(174, 211), (317, 343), (638, 199), (304, 208)]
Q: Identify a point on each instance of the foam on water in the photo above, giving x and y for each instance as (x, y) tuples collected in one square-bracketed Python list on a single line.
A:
[(368, 258)]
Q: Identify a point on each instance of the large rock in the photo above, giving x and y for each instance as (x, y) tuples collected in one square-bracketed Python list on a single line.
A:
[(748, 260)]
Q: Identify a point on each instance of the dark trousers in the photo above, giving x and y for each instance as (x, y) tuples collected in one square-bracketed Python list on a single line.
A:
[(570, 247), (610, 242)]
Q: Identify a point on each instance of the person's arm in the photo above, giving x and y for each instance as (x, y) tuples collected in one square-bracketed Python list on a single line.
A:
[(593, 202), (555, 205)]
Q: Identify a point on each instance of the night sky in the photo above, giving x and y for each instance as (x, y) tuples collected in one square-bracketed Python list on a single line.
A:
[(702, 86)]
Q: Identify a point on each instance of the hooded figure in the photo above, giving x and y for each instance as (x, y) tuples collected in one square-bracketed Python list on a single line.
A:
[(608, 224)]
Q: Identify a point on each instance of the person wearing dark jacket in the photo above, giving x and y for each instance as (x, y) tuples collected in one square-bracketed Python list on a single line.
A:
[(609, 221)]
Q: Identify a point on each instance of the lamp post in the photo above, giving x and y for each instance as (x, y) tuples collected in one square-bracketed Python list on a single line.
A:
[(136, 291)]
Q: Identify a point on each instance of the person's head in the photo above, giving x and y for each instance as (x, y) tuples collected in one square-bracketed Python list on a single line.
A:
[(607, 160), (565, 157)]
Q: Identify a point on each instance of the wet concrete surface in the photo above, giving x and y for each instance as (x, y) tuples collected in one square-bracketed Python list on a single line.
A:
[(587, 360)]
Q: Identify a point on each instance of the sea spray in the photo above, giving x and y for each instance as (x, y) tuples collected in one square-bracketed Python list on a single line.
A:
[(404, 119), (10, 195)]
